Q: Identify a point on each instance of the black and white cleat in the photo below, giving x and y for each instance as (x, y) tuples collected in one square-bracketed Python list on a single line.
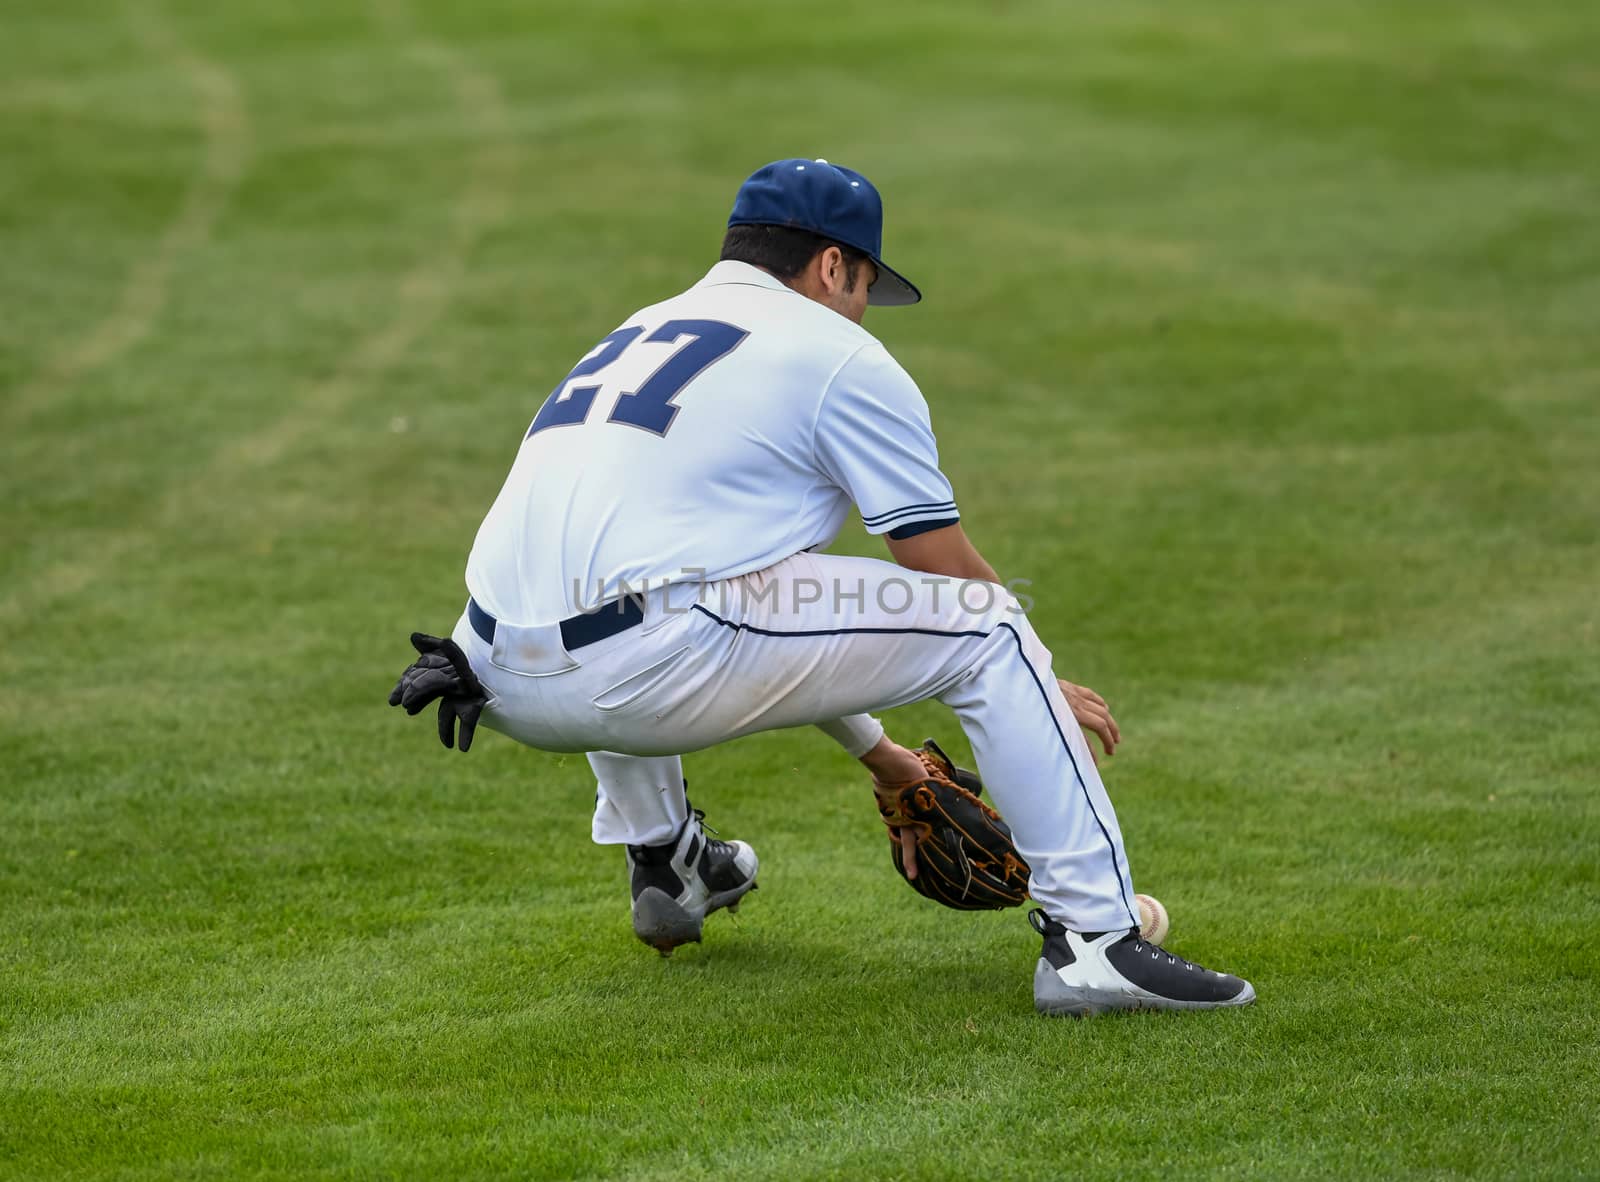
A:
[(681, 881), (1085, 973)]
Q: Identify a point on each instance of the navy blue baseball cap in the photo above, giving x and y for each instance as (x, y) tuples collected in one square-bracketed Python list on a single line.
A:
[(837, 203)]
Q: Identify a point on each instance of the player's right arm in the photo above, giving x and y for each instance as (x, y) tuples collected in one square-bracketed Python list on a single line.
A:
[(948, 551), (943, 551), (874, 440)]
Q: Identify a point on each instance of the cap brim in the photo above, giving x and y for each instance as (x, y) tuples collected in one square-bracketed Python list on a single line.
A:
[(891, 289)]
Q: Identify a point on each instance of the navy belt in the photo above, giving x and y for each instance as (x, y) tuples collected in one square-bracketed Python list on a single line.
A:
[(576, 631)]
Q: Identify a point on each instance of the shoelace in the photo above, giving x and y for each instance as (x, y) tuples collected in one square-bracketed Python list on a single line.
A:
[(1156, 952), (1041, 921), (712, 841)]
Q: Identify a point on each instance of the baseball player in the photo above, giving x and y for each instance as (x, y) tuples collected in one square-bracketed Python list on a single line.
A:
[(648, 583)]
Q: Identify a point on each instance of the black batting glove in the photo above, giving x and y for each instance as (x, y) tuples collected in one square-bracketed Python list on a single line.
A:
[(442, 673)]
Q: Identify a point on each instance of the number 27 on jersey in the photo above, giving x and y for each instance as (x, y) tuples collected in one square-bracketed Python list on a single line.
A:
[(651, 406)]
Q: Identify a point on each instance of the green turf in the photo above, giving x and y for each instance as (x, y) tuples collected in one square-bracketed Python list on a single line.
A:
[(1264, 338)]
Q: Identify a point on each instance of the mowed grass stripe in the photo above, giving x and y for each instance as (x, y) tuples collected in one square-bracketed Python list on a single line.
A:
[(419, 297), (226, 125), (426, 290)]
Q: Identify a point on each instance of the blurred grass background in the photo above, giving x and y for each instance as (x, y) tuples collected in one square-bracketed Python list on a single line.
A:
[(1262, 338)]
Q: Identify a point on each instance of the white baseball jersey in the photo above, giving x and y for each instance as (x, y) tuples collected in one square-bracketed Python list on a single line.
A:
[(719, 431)]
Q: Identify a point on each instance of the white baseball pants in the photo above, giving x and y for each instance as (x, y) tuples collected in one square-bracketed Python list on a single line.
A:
[(819, 639)]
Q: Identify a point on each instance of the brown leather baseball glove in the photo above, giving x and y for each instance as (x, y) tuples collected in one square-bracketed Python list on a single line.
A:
[(960, 849)]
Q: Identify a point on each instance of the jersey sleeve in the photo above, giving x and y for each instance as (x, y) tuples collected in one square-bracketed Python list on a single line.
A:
[(874, 440)]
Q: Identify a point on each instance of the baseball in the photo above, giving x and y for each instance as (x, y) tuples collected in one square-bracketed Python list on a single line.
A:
[(1153, 921)]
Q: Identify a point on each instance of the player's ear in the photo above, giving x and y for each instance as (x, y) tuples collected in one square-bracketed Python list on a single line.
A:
[(831, 269)]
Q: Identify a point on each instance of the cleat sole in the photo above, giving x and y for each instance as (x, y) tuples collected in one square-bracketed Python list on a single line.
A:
[(1055, 1000), (663, 923)]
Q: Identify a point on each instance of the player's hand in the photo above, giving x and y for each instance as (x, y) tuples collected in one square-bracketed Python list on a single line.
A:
[(442, 673), (1092, 713), (908, 851)]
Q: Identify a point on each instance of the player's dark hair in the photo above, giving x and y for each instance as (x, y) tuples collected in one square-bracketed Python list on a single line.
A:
[(786, 251)]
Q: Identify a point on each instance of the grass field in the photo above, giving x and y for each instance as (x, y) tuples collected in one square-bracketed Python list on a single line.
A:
[(1264, 338)]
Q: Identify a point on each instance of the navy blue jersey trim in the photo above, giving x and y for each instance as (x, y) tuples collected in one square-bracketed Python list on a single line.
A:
[(1116, 866), (907, 516), (703, 610), (1078, 775), (901, 532), (926, 506)]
